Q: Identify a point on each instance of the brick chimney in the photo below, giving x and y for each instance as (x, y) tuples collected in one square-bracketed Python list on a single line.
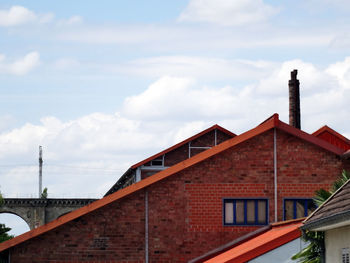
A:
[(294, 100)]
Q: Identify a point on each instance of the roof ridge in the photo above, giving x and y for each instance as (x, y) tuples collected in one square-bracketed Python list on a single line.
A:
[(287, 222), (193, 137), (332, 131)]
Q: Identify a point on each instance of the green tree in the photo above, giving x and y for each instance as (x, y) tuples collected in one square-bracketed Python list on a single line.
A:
[(44, 193), (3, 229), (4, 233), (314, 252), (1, 199)]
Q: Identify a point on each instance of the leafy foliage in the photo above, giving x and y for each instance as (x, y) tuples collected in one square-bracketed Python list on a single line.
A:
[(321, 196), (313, 253), (3, 229), (44, 193), (3, 233)]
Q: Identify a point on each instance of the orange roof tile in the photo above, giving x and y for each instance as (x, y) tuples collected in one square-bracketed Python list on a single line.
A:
[(278, 235), (270, 123)]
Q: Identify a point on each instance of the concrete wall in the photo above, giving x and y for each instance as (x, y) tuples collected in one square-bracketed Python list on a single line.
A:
[(335, 241), (185, 209)]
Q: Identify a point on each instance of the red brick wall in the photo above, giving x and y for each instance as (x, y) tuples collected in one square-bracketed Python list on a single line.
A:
[(206, 140), (176, 156), (185, 210), (303, 168), (112, 234)]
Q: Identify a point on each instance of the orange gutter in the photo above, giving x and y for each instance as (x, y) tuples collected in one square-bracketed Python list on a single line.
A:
[(279, 235)]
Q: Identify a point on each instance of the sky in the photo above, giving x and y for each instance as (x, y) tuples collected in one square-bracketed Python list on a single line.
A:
[(101, 85)]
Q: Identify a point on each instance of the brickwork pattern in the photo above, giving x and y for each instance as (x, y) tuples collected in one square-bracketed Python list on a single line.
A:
[(111, 234), (185, 209)]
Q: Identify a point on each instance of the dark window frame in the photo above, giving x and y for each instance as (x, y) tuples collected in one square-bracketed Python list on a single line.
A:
[(158, 162), (256, 212), (295, 200)]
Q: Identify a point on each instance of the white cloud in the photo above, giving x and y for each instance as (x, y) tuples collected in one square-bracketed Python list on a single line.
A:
[(198, 67), (6, 122), (341, 71), (182, 39), (19, 15), (310, 77), (103, 146), (73, 20), (66, 63), (16, 15), (20, 66), (324, 93), (227, 12)]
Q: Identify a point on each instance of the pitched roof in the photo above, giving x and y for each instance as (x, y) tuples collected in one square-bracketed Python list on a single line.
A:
[(212, 128), (328, 134), (278, 235), (272, 122), (334, 212), (346, 154), (128, 172)]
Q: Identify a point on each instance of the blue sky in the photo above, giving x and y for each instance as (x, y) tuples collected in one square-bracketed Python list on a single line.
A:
[(103, 84)]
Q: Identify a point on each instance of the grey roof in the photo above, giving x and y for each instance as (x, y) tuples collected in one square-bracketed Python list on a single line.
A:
[(334, 210)]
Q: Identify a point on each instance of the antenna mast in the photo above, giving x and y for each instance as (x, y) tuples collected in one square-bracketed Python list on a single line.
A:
[(40, 170)]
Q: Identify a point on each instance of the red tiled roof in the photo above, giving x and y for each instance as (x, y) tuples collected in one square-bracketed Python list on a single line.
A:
[(270, 123), (214, 127), (333, 137), (278, 235)]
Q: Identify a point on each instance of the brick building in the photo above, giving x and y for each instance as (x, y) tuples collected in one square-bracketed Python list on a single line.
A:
[(177, 212)]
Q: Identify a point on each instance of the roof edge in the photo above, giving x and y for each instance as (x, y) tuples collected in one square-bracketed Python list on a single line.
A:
[(346, 154), (287, 222), (291, 231), (216, 126), (110, 191), (326, 221), (325, 202), (271, 245), (326, 128), (139, 185), (310, 138), (231, 244)]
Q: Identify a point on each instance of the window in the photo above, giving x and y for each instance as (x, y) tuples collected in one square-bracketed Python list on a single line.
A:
[(158, 161), (245, 212), (297, 208), (345, 255)]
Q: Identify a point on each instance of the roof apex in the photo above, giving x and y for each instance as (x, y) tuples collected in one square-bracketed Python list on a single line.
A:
[(326, 128), (215, 126)]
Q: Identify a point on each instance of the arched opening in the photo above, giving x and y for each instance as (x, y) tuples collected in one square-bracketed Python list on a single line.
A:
[(16, 223)]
